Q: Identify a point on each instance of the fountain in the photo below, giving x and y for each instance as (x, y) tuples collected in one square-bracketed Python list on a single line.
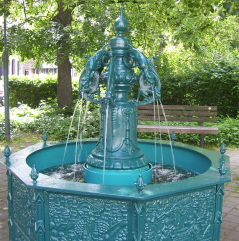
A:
[(116, 201)]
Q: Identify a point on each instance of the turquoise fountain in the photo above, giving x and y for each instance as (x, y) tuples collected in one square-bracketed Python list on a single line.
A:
[(117, 200)]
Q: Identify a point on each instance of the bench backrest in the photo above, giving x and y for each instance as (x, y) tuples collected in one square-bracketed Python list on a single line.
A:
[(190, 113)]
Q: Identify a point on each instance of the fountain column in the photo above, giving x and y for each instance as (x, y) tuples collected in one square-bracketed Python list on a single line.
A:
[(117, 158)]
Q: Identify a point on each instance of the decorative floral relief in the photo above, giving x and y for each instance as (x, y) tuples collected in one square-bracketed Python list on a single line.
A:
[(24, 215), (83, 218), (182, 217)]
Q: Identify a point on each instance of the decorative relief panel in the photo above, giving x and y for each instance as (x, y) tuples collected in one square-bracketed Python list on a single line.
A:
[(87, 219), (183, 217), (24, 215)]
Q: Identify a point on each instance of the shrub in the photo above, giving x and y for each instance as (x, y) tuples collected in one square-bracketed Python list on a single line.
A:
[(228, 131), (217, 83), (212, 81), (31, 90), (58, 127)]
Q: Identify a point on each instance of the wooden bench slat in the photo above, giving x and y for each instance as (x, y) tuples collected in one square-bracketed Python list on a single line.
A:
[(170, 118), (177, 113), (185, 113), (178, 129), (179, 107)]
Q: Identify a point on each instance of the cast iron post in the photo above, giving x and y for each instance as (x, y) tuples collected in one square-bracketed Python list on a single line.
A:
[(5, 69)]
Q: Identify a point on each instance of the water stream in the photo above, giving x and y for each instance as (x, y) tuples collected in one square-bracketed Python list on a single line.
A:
[(79, 133), (160, 135), (69, 131), (170, 141), (105, 139)]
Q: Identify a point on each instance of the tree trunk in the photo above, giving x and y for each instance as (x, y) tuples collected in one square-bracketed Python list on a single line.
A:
[(64, 86)]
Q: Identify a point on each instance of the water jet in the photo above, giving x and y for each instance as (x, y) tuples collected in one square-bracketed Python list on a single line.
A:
[(116, 201)]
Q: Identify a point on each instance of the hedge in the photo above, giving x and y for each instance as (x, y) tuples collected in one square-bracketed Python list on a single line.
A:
[(213, 83), (31, 90)]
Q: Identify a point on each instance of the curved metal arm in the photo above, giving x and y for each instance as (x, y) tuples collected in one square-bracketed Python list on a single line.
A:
[(89, 79), (149, 79)]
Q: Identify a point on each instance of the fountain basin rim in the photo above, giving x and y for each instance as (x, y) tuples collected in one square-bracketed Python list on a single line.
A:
[(19, 167)]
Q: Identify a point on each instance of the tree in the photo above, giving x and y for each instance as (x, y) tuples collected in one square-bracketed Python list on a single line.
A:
[(64, 89), (62, 31)]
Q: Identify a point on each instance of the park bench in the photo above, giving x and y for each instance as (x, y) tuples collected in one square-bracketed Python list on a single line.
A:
[(182, 113)]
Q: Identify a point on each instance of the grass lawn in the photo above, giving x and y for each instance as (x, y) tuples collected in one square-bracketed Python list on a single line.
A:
[(22, 141)]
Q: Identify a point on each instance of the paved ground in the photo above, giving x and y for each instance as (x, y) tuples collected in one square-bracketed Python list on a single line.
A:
[(230, 225)]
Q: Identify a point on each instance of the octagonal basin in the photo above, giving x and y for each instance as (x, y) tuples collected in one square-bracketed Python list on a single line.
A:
[(55, 209)]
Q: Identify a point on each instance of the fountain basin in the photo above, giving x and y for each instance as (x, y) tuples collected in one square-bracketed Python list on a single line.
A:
[(54, 209)]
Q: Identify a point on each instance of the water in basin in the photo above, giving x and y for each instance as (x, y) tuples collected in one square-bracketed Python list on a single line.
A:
[(161, 174)]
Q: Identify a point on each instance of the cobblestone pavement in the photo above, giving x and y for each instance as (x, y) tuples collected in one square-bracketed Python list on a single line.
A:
[(230, 225)]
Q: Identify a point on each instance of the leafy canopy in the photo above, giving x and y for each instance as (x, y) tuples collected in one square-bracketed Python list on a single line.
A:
[(37, 29)]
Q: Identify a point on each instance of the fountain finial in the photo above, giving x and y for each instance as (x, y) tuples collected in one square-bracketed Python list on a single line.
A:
[(44, 138), (7, 152), (121, 24), (222, 168), (223, 148), (140, 183), (34, 174)]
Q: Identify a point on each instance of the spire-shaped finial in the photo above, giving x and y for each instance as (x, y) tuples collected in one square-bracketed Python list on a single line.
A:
[(7, 152), (223, 148), (44, 138), (121, 24), (34, 174), (140, 183)]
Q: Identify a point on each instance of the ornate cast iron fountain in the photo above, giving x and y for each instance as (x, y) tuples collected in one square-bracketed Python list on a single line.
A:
[(117, 158), (109, 206)]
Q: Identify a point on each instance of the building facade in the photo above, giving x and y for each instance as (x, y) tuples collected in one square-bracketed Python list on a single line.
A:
[(15, 67)]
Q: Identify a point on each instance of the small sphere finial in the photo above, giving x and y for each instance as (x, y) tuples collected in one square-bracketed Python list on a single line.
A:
[(121, 24)]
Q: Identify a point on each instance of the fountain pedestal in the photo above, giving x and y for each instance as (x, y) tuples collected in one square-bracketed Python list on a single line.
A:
[(117, 158)]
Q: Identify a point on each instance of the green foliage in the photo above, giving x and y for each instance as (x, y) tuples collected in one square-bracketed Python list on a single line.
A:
[(20, 120), (57, 123), (56, 30), (229, 131), (229, 7), (217, 83), (31, 90), (51, 31), (76, 28), (212, 80)]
